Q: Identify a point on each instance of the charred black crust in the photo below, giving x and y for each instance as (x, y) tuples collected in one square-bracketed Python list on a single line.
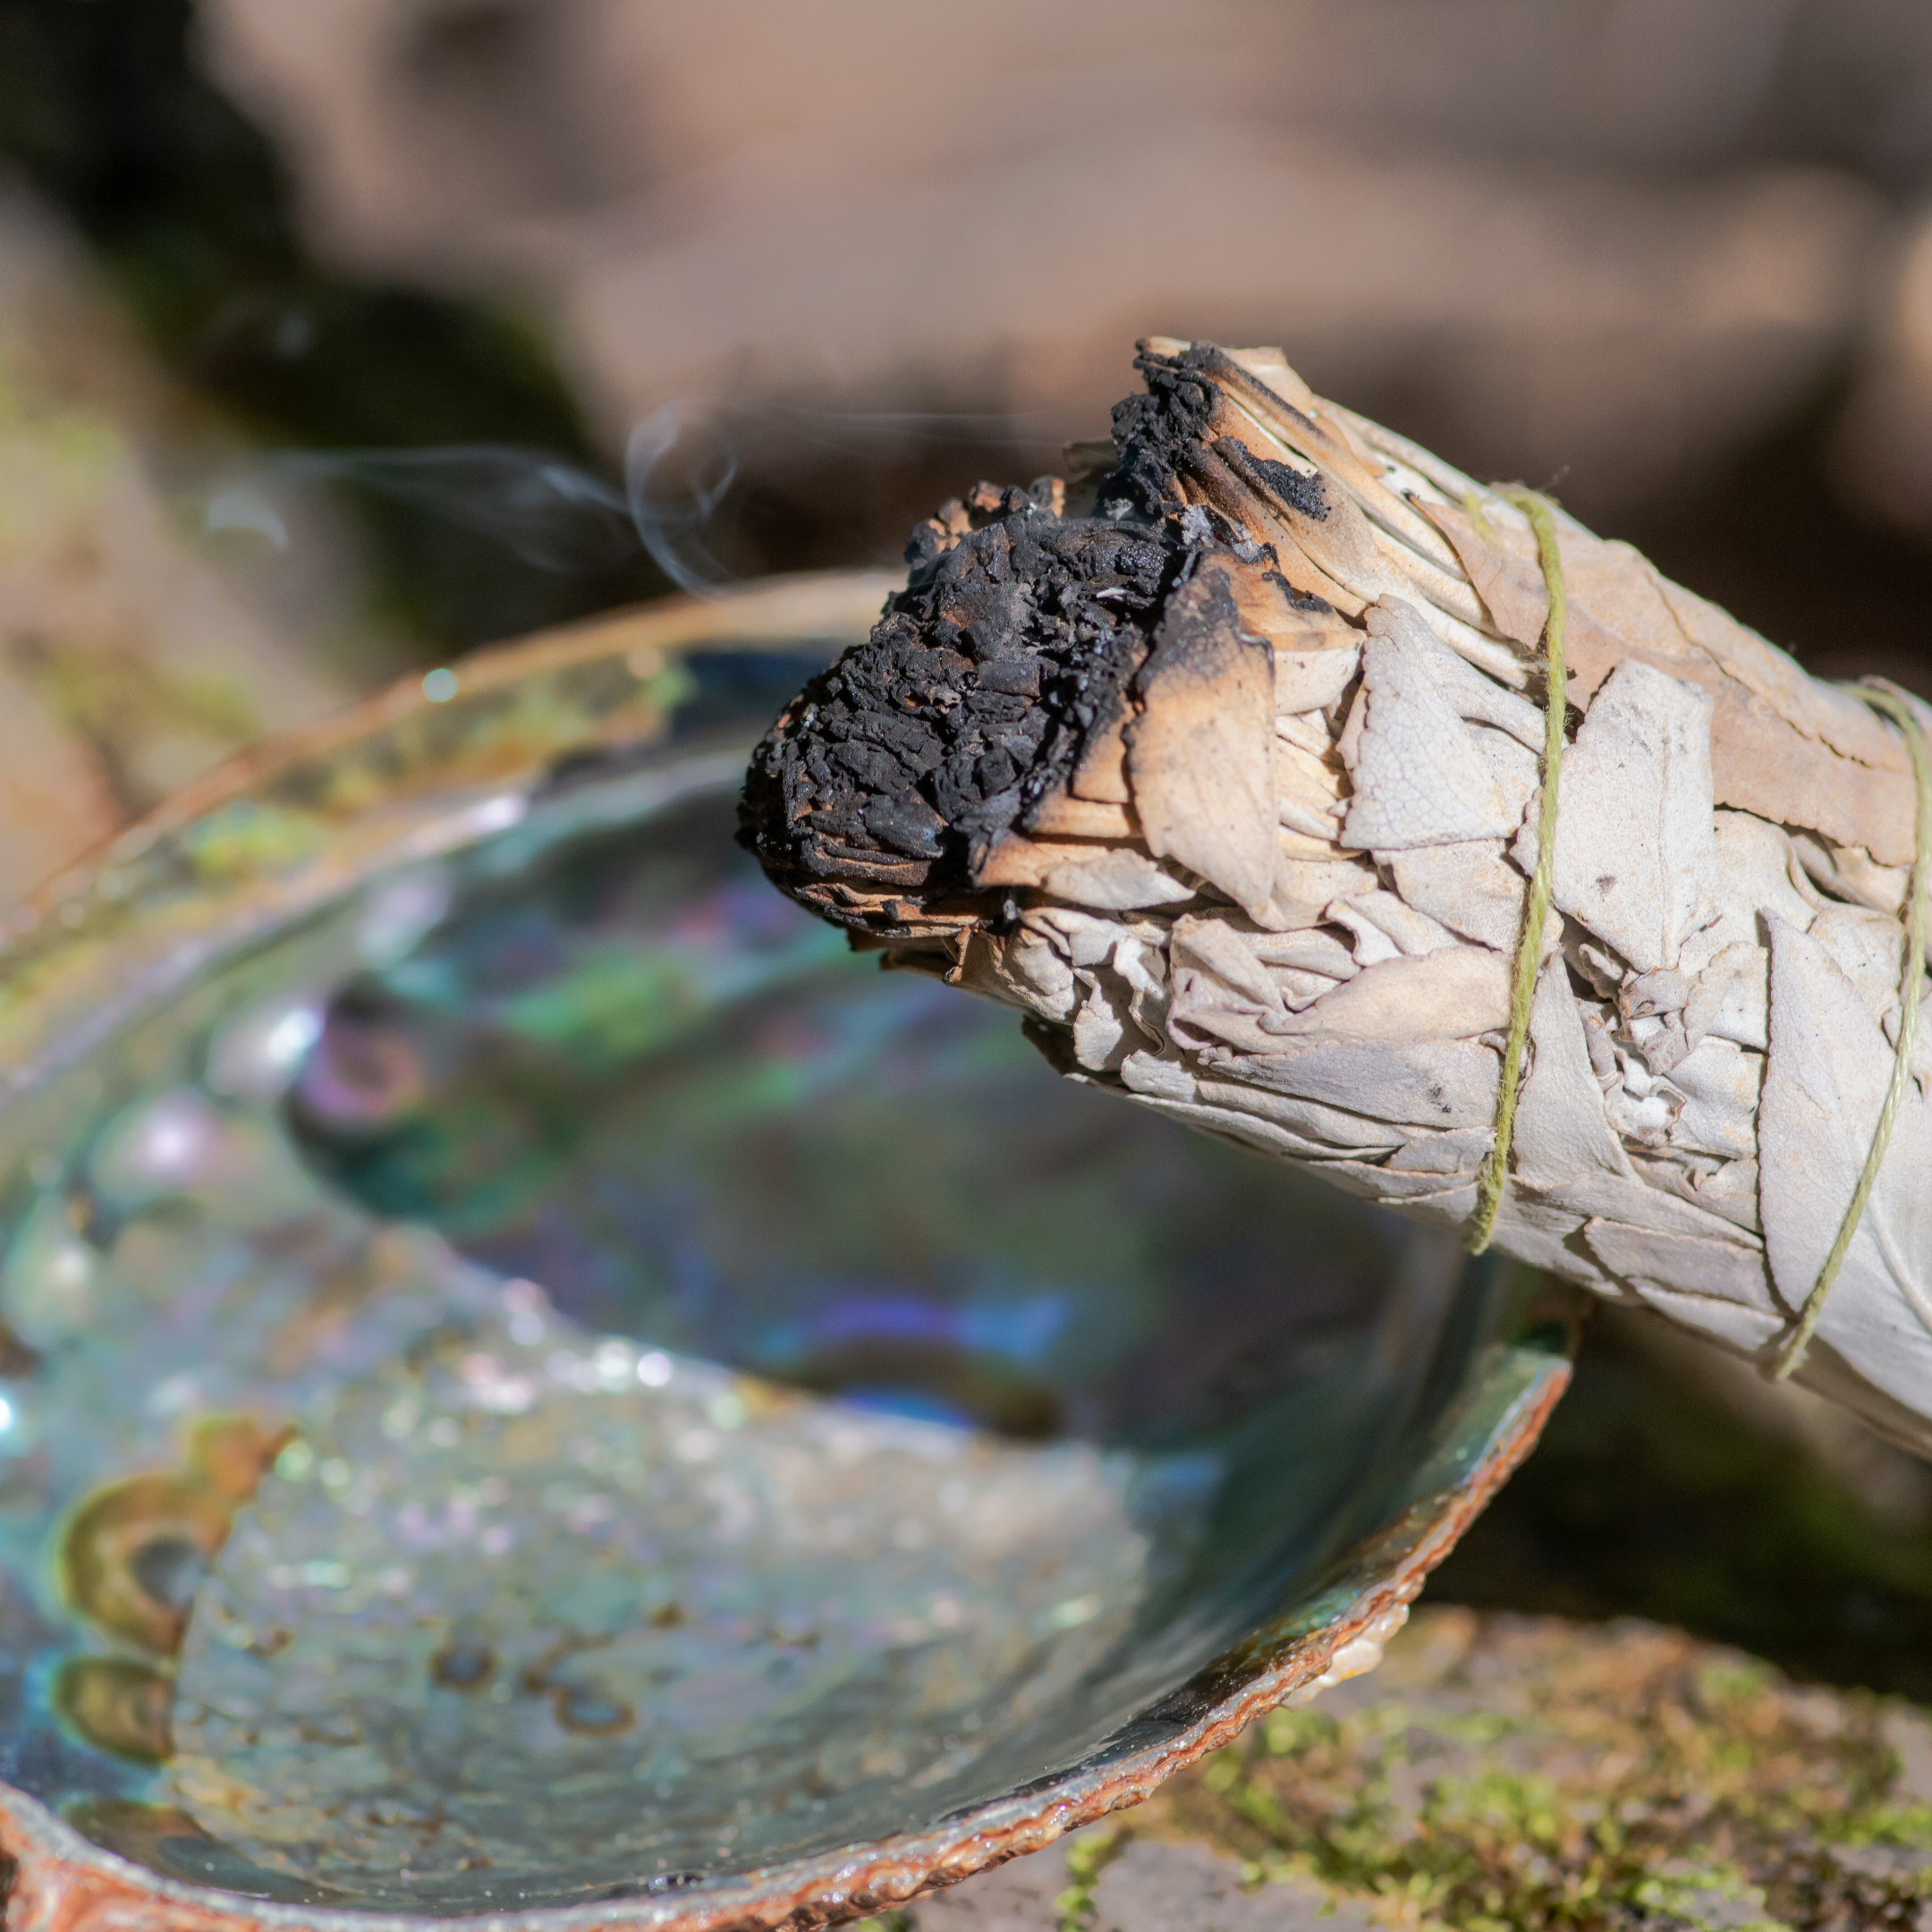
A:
[(1156, 433), (1289, 487), (900, 766), (973, 695)]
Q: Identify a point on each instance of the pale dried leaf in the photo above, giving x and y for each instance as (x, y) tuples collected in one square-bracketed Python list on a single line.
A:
[(1756, 864), (1313, 949), (1517, 773), (1312, 679), (1305, 888), (1213, 943), (1109, 877), (1628, 1198), (1851, 873), (1720, 1083), (1103, 1036), (1505, 572), (1775, 744), (1299, 990), (1061, 815), (1643, 1106), (1384, 927), (1454, 1151), (1084, 938), (1472, 696), (1018, 860), (1447, 1083), (1452, 995), (1470, 888), (1733, 1193), (1892, 1022), (1293, 847), (1685, 1263), (1367, 941), (1307, 731), (1619, 608), (1814, 708), (1561, 1130), (1766, 765), (1305, 789), (1222, 997), (1024, 972), (1200, 756), (1746, 1330), (1828, 1069), (1419, 779), (1432, 1198), (1732, 998), (1114, 881), (1142, 969), (1232, 1123), (1206, 1015), (1727, 1188), (1636, 859), (1340, 1129), (1158, 1074), (1867, 948), (1644, 996)]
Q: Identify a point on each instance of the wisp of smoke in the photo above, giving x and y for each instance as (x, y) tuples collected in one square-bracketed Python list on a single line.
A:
[(669, 529), (549, 512), (679, 464)]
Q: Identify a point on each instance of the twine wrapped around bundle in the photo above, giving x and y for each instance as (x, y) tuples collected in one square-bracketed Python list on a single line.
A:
[(1234, 786)]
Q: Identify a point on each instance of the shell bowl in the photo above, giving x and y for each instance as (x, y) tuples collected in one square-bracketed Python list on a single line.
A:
[(537, 1385)]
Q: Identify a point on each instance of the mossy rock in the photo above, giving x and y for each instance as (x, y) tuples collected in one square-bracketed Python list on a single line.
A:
[(1507, 1773)]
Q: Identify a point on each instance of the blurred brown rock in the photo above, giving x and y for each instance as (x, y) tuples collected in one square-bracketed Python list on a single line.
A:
[(1883, 446), (1592, 235), (128, 660)]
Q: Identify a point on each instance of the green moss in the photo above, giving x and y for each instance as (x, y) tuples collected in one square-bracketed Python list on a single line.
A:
[(1087, 1857), (1526, 1776), (1718, 1897)]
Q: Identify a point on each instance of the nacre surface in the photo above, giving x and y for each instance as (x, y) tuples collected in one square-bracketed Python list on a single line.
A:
[(535, 1377)]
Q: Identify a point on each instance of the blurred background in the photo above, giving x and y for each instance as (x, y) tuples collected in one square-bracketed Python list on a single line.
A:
[(339, 337)]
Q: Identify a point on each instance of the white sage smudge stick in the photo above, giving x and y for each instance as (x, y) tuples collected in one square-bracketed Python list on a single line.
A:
[(1234, 786)]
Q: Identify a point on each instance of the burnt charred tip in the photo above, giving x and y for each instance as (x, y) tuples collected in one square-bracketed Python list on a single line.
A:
[(895, 771), (994, 686)]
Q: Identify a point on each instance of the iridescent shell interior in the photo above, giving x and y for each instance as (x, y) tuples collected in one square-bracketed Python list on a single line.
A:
[(535, 1377)]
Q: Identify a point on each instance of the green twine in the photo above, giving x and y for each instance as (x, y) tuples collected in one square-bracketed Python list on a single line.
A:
[(1495, 1170), (1889, 699), (1882, 697)]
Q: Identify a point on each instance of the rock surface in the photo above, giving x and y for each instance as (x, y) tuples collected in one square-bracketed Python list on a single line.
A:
[(1500, 1771)]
